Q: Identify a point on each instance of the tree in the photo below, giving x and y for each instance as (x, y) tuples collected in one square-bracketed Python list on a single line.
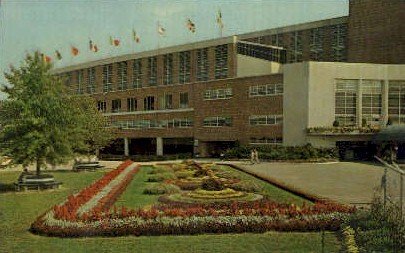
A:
[(40, 121)]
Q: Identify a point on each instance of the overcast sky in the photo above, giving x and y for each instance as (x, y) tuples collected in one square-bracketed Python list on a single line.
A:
[(49, 25)]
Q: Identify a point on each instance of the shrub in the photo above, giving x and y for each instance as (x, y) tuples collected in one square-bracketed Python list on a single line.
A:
[(160, 189), (160, 177), (212, 184), (184, 173)]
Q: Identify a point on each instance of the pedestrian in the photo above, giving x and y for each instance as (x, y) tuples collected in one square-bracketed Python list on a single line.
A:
[(252, 156), (256, 156)]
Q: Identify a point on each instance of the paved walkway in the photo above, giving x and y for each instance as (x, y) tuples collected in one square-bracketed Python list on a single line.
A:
[(345, 182)]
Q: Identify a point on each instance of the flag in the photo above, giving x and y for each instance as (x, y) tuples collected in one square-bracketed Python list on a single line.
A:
[(191, 26), (116, 42), (161, 30), (74, 51), (219, 19), (46, 58), (58, 55), (135, 36), (93, 47)]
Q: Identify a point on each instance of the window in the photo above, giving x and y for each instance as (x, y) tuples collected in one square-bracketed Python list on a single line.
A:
[(184, 100), (396, 101), (107, 78), (102, 106), (345, 102), (116, 105), (131, 104), (339, 35), (221, 61), (168, 69), (80, 81), (371, 101), (151, 124), (218, 121), (91, 80), (122, 75), (266, 90), (266, 140), (202, 64), (149, 103), (137, 74), (184, 68), (275, 40), (316, 44), (296, 47), (218, 94), (265, 120), (152, 71), (167, 102), (69, 79), (261, 51)]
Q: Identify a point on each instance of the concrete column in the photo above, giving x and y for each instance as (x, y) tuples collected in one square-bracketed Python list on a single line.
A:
[(159, 146), (384, 103), (359, 108), (126, 146)]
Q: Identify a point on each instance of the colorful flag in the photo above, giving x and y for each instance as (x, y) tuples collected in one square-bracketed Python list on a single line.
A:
[(161, 30), (46, 58), (135, 36), (116, 42), (191, 26), (219, 19), (74, 51), (93, 47), (58, 55)]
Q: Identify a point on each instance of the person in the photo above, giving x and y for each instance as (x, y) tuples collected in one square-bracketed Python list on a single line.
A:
[(257, 156), (252, 156)]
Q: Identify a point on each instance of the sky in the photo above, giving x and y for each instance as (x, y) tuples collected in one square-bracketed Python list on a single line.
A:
[(49, 25)]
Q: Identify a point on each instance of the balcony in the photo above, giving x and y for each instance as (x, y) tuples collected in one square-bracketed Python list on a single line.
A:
[(346, 130)]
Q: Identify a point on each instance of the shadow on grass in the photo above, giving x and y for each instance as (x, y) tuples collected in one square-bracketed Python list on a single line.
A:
[(7, 188)]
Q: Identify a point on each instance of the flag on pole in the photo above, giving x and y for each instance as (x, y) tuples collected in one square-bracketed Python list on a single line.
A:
[(219, 19), (58, 55), (161, 30), (191, 26), (135, 36), (46, 58), (75, 51), (114, 42), (111, 41)]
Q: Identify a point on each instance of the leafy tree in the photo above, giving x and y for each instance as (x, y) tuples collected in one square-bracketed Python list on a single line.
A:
[(40, 122)]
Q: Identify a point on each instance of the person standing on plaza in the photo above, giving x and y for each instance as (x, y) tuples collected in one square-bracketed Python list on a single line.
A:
[(252, 156), (256, 156)]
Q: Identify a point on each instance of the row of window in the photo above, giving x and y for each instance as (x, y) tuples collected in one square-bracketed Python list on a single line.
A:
[(145, 124), (218, 94), (266, 140), (347, 94), (264, 120), (184, 71), (266, 90)]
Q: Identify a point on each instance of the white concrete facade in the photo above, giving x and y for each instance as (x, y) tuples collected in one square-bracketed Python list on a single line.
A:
[(309, 96)]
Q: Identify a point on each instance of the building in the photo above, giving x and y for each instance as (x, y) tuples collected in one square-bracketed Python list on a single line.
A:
[(288, 85)]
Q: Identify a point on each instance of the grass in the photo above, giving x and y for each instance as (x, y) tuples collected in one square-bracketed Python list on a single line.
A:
[(273, 192), (19, 210)]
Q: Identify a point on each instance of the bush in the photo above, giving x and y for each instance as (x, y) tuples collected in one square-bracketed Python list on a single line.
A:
[(246, 186), (160, 189), (184, 173), (160, 177), (212, 184)]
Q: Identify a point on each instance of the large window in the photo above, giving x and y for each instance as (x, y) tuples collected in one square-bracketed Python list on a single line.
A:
[(218, 94), (264, 120), (80, 81), (218, 121), (261, 51), (202, 64), (345, 102), (122, 75), (131, 104), (221, 61), (184, 68), (107, 78), (316, 44), (153, 124), (266, 140), (396, 101), (266, 90), (149, 103), (166, 102), (152, 71), (371, 101), (339, 35), (116, 105), (296, 47), (184, 100), (137, 74), (168, 69), (91, 80), (102, 106)]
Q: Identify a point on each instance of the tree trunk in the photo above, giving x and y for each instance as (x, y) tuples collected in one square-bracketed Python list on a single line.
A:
[(38, 167)]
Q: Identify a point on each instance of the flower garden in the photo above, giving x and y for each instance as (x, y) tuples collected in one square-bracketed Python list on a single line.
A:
[(186, 198)]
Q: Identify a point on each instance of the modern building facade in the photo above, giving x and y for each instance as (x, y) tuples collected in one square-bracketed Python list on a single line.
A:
[(269, 87)]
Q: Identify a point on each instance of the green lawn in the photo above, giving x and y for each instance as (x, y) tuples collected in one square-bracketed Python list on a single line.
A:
[(18, 210)]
